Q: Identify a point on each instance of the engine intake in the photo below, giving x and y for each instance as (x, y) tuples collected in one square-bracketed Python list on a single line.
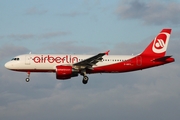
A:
[(65, 72)]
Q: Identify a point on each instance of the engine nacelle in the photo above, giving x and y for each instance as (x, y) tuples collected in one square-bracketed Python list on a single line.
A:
[(65, 72)]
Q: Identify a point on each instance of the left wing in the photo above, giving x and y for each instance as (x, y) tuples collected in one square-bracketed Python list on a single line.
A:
[(89, 62)]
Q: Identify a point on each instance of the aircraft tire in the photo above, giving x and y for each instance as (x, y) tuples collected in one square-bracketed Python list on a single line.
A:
[(27, 79), (85, 80)]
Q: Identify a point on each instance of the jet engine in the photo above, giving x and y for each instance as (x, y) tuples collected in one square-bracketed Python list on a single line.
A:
[(65, 72)]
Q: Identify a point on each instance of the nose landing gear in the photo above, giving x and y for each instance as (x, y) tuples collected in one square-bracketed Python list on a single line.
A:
[(28, 79)]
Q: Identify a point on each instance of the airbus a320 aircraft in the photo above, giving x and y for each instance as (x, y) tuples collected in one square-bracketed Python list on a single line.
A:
[(67, 66)]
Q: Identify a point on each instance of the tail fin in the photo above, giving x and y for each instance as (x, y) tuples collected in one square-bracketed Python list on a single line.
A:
[(159, 45)]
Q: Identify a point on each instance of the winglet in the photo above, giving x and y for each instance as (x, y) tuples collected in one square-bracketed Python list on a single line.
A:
[(107, 52)]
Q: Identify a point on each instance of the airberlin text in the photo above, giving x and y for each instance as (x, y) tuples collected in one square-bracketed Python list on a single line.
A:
[(55, 59)]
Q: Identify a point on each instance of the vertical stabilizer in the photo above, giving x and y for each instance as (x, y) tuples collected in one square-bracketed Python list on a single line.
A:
[(159, 45)]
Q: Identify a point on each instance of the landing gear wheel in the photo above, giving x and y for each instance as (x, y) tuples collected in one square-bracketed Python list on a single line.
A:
[(85, 80), (27, 79)]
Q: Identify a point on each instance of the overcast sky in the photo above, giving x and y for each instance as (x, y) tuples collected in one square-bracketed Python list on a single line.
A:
[(89, 27)]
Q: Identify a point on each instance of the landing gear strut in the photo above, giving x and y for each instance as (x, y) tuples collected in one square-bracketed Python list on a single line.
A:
[(28, 79)]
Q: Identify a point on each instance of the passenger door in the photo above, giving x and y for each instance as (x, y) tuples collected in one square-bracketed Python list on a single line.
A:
[(27, 59), (138, 60)]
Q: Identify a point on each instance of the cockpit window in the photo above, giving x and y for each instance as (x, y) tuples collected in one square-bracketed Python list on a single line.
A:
[(16, 59)]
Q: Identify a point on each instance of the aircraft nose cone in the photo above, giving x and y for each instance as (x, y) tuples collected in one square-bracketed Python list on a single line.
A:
[(7, 65)]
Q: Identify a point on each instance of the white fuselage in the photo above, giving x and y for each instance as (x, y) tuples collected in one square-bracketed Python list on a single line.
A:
[(48, 62)]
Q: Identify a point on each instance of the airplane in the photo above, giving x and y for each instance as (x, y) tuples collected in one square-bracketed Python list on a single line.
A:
[(66, 66)]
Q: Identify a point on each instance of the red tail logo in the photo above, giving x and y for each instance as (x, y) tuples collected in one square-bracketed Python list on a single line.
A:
[(160, 43)]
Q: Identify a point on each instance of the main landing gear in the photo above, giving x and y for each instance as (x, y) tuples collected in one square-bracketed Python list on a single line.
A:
[(85, 78), (28, 79)]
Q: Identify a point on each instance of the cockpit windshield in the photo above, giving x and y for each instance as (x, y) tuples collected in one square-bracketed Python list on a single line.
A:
[(15, 59)]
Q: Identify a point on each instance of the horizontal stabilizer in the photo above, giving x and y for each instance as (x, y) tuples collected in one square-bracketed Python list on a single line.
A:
[(162, 59)]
